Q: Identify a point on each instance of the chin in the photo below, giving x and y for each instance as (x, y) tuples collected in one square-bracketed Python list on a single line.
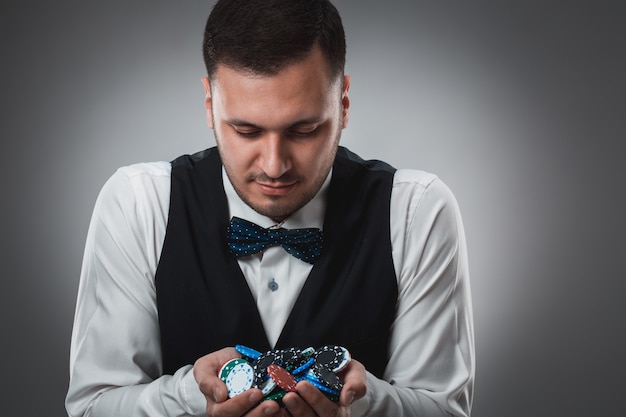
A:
[(275, 212)]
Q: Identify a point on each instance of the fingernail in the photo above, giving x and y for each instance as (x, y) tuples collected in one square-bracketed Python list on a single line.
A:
[(253, 397), (304, 388), (289, 402), (350, 397)]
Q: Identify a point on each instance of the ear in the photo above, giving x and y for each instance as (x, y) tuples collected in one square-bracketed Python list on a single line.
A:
[(208, 103), (345, 101)]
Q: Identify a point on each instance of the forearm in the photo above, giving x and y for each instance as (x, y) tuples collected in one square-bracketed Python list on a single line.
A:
[(383, 399), (170, 395)]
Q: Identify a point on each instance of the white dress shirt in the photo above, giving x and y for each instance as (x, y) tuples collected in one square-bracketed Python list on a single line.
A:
[(115, 364)]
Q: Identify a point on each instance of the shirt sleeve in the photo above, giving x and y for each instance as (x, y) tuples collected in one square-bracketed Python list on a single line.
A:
[(115, 359), (431, 365)]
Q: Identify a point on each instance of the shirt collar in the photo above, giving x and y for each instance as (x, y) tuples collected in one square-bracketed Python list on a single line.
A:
[(311, 215)]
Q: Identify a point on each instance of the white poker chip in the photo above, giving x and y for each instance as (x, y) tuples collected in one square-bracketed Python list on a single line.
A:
[(267, 386), (344, 361), (238, 376)]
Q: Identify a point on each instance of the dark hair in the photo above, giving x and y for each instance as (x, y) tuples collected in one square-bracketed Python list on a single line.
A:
[(264, 36)]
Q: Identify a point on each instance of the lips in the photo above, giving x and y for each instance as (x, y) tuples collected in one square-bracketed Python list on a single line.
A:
[(276, 189)]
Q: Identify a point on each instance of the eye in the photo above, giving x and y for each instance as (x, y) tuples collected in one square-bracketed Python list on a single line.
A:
[(303, 131), (247, 133)]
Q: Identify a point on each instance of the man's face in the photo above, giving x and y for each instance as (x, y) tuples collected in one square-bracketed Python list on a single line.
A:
[(278, 135)]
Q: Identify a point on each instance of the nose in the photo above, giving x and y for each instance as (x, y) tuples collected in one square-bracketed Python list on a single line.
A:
[(275, 156)]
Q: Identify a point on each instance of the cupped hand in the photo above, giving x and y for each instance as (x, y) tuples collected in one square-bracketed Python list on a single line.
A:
[(206, 370), (308, 401)]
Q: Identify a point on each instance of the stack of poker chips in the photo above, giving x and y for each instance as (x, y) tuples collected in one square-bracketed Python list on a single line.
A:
[(277, 371)]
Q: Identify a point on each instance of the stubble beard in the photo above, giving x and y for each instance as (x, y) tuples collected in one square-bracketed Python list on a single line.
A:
[(280, 207)]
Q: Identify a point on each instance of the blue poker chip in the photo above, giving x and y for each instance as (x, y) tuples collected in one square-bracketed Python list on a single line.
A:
[(304, 367), (323, 388), (247, 352)]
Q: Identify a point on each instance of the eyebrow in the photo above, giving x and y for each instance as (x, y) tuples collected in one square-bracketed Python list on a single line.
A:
[(243, 123)]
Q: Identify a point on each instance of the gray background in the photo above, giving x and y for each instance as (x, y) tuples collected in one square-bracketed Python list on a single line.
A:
[(518, 106)]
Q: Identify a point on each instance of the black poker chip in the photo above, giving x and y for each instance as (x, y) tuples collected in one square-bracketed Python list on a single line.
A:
[(293, 358), (290, 356), (329, 392), (304, 367), (276, 371), (260, 364), (330, 356), (326, 377)]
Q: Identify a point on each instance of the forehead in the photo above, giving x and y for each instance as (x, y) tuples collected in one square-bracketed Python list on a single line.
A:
[(315, 63), (304, 86)]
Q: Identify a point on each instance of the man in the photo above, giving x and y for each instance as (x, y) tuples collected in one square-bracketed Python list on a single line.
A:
[(163, 300)]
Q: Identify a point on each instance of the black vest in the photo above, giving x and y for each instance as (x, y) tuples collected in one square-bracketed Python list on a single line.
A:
[(349, 298)]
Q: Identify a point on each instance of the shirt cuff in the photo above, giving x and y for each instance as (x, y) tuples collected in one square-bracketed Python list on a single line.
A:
[(360, 407), (195, 400)]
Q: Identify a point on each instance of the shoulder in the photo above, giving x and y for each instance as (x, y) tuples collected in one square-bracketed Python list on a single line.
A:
[(425, 222), (413, 178), (415, 187), (137, 189), (145, 170), (421, 201), (139, 175)]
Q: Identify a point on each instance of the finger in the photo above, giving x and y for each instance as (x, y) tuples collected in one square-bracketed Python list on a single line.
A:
[(354, 383), (282, 412), (247, 403), (206, 369), (297, 406), (315, 402)]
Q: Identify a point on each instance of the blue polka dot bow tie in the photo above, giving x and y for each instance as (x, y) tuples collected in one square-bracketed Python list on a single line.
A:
[(246, 238)]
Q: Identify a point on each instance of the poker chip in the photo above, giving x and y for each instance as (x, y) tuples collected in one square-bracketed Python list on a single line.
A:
[(276, 396), (308, 351), (267, 386), (305, 366), (332, 356), (332, 397), (283, 378), (323, 388), (247, 352), (228, 366), (324, 376), (277, 371), (265, 359), (237, 374), (292, 358), (262, 362), (344, 361)]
